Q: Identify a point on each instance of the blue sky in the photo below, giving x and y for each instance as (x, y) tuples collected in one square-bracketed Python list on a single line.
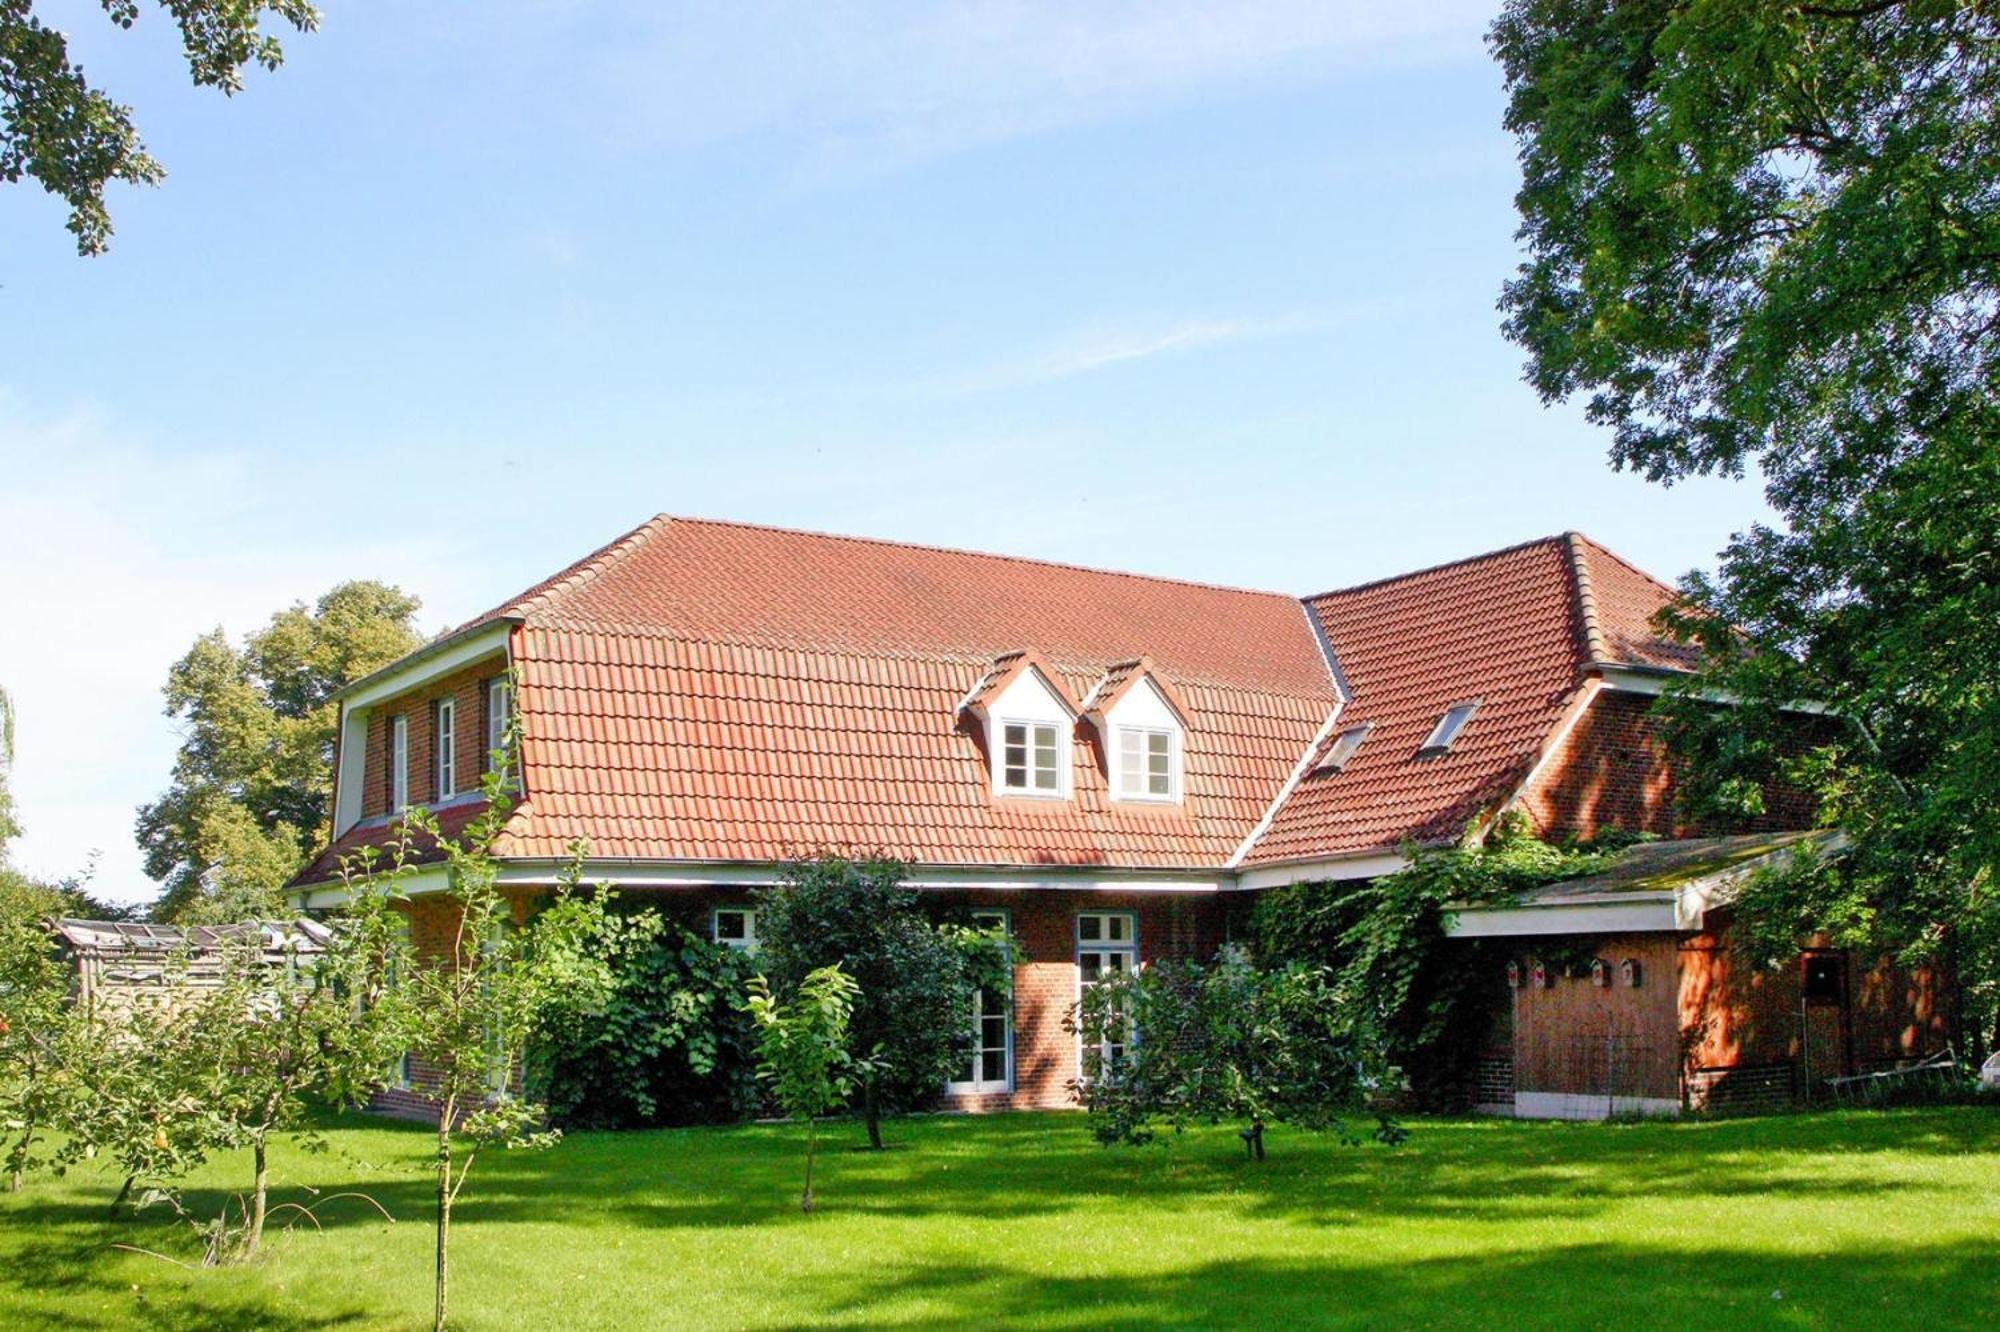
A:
[(465, 290)]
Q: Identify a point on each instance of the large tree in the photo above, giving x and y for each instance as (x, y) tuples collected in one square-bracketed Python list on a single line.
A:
[(10, 828), (1767, 237), (72, 138), (255, 768)]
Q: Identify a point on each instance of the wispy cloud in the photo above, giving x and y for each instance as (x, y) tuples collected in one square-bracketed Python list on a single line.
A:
[(862, 86), (1104, 346)]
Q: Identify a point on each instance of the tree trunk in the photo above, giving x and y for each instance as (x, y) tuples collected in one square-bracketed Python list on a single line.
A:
[(871, 1111), (443, 1210), (806, 1198), (16, 1176), (1253, 1139), (124, 1192), (259, 1195)]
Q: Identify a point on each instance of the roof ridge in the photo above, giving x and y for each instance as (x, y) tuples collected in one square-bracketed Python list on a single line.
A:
[(1606, 551), (980, 555), (542, 594), (1431, 568), (949, 656), (1594, 644)]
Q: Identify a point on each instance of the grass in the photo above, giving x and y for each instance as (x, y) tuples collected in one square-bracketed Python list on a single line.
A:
[(1882, 1219)]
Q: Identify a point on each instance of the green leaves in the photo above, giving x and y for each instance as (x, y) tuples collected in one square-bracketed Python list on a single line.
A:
[(73, 139), (1769, 236)]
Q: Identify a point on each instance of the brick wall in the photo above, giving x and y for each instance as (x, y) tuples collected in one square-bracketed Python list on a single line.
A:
[(468, 690), (1493, 1080), (1613, 770)]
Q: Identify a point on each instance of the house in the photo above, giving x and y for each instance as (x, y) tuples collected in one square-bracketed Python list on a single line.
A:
[(1101, 760)]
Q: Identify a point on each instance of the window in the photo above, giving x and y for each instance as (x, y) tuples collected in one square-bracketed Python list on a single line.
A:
[(443, 745), (1107, 944), (399, 763), (1031, 758), (1448, 727), (1823, 981), (735, 927), (1343, 747), (989, 1063), (499, 698), (1145, 764), (399, 1071)]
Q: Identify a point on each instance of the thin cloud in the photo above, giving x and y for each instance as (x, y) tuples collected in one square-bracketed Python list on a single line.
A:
[(858, 87), (1101, 347)]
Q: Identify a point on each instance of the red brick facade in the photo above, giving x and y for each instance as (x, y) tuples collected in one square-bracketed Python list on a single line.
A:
[(1613, 770), (467, 690)]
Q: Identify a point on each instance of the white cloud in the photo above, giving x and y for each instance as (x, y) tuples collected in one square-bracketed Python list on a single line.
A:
[(117, 554), (865, 86), (1102, 346)]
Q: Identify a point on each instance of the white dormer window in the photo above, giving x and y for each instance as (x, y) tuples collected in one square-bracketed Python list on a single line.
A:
[(1448, 727), (1146, 767), (1030, 759)]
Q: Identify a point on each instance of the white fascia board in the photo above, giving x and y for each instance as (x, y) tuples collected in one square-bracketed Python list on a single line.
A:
[(419, 883), (1319, 871), (1652, 913), (420, 667), (669, 874), (1634, 680)]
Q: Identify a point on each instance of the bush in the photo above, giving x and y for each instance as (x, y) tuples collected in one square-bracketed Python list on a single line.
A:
[(674, 1044)]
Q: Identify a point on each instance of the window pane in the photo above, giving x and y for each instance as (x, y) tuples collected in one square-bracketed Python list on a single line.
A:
[(993, 1065), (1157, 743), (1116, 927), (1087, 965), (1087, 927), (1045, 758)]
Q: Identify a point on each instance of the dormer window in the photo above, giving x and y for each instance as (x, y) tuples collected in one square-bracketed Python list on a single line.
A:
[(1146, 767), (1030, 758), (1448, 727), (1029, 719), (1341, 751)]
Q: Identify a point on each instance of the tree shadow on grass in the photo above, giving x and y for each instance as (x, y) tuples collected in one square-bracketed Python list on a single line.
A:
[(1573, 1286)]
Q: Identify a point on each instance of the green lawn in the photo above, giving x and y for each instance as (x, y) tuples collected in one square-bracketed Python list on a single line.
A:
[(1876, 1220)]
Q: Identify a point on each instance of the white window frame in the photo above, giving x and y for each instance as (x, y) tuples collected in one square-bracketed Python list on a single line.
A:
[(1061, 732), (1128, 947), (746, 944), (399, 763), (978, 1084), (1344, 747), (1123, 777), (1446, 732), (444, 744), (499, 704)]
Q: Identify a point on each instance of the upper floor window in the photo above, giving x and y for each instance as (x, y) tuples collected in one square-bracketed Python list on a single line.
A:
[(1030, 761), (735, 927), (499, 699), (1448, 727), (399, 763), (1146, 768), (444, 747)]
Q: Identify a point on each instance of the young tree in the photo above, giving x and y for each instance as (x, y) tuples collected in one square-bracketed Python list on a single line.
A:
[(1185, 1042), (915, 981), (470, 1014), (38, 1028), (75, 140), (255, 769), (1767, 235), (802, 1050)]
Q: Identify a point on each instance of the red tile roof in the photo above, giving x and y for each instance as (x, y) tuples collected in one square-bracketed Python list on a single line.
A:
[(712, 691)]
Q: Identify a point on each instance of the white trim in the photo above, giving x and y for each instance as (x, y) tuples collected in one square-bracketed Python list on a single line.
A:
[(399, 762), (1578, 1105), (499, 708), (1368, 865), (351, 771), (444, 749), (976, 1085), (749, 941), (1601, 913), (1119, 772), (1634, 680), (1299, 770), (1061, 790), (747, 874), (421, 669)]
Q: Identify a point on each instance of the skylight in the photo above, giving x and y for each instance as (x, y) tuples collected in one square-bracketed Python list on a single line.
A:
[(1448, 727), (1344, 746)]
